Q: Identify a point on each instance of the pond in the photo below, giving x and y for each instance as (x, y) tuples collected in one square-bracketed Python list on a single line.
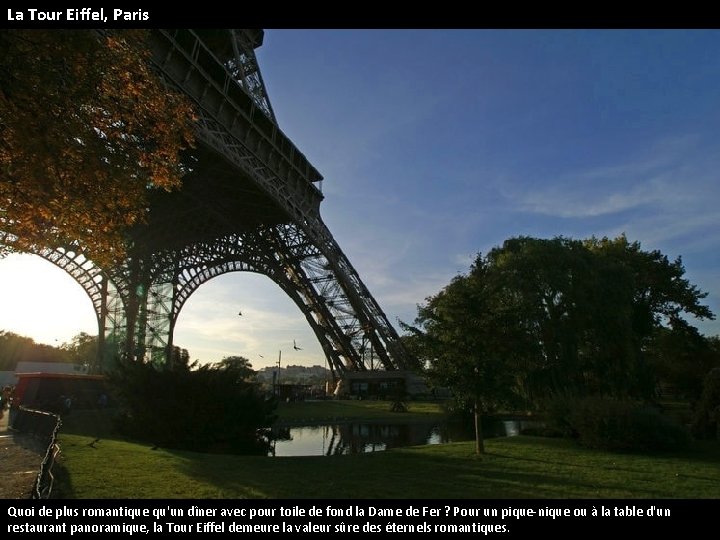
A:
[(357, 438)]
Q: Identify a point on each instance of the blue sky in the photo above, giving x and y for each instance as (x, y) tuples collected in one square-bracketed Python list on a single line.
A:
[(437, 145)]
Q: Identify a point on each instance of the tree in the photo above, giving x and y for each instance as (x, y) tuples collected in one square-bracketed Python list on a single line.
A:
[(681, 358), (15, 348), (656, 300), (238, 367), (87, 130), (467, 337), (660, 293), (82, 350), (179, 359), (592, 307), (538, 319), (546, 281), (207, 409), (706, 424)]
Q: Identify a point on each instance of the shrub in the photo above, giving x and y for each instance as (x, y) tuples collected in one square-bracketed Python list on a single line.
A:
[(558, 412), (706, 423), (613, 424), (205, 410)]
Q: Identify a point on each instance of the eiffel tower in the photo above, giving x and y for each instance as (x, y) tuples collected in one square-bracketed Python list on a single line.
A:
[(250, 203)]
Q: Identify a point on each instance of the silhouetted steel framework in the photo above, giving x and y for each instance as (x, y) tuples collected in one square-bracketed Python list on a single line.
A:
[(249, 203)]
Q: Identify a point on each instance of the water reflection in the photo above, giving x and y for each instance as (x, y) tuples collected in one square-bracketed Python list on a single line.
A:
[(353, 438), (357, 438)]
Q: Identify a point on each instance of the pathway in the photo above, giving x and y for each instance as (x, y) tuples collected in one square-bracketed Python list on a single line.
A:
[(20, 460)]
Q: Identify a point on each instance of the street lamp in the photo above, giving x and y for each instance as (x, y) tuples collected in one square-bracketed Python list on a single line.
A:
[(277, 378)]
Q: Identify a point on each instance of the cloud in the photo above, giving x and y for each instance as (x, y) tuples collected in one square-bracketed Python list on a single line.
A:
[(596, 192), (671, 186), (210, 327)]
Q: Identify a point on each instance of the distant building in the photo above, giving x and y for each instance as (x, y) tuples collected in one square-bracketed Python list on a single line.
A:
[(354, 384), (7, 378), (10, 377), (294, 374), (50, 367), (381, 384), (53, 391)]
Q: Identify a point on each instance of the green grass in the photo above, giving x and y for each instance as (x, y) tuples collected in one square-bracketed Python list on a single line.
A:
[(310, 412), (518, 467), (99, 423)]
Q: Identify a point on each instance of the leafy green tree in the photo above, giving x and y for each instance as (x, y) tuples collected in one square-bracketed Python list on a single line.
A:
[(467, 337), (87, 131), (546, 281), (706, 424), (681, 358), (661, 295), (82, 350), (655, 299), (539, 319), (15, 348), (207, 409), (592, 307), (238, 367), (179, 359)]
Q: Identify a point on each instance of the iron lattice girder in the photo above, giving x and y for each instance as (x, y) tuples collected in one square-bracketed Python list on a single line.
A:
[(326, 274), (283, 254), (107, 299), (138, 302), (81, 269), (262, 155), (246, 70), (231, 122)]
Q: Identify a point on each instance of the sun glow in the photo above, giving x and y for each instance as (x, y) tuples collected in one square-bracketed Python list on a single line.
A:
[(238, 314), (245, 314), (41, 301)]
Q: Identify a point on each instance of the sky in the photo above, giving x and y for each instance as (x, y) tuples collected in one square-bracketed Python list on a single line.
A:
[(437, 145)]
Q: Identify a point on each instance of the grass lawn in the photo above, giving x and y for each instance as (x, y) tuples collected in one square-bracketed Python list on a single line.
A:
[(517, 467), (310, 412)]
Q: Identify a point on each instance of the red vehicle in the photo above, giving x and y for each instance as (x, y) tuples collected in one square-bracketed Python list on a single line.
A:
[(49, 391)]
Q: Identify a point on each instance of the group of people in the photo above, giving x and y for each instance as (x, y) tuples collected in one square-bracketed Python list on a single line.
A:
[(6, 397), (65, 404), (61, 404)]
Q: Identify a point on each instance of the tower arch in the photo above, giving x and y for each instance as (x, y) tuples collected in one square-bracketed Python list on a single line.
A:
[(250, 202)]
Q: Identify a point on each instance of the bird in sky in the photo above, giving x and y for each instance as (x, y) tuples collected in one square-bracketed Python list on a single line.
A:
[(296, 347), (239, 313)]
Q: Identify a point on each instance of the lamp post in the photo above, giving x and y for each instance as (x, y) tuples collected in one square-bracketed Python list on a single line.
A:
[(277, 379)]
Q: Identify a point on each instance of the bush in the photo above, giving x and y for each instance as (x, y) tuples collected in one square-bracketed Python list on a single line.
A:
[(610, 424), (706, 422), (558, 413), (204, 410)]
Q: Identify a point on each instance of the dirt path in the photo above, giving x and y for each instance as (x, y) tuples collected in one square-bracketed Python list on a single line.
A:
[(20, 460)]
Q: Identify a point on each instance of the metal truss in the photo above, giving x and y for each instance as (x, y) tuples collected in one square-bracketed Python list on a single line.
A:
[(284, 254), (232, 123), (245, 69), (105, 295), (138, 302), (263, 157)]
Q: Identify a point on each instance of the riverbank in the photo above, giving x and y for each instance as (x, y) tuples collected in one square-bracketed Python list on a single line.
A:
[(100, 422), (310, 413), (513, 467), (20, 458)]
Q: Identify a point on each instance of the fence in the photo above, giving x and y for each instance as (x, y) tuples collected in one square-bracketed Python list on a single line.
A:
[(43, 426)]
